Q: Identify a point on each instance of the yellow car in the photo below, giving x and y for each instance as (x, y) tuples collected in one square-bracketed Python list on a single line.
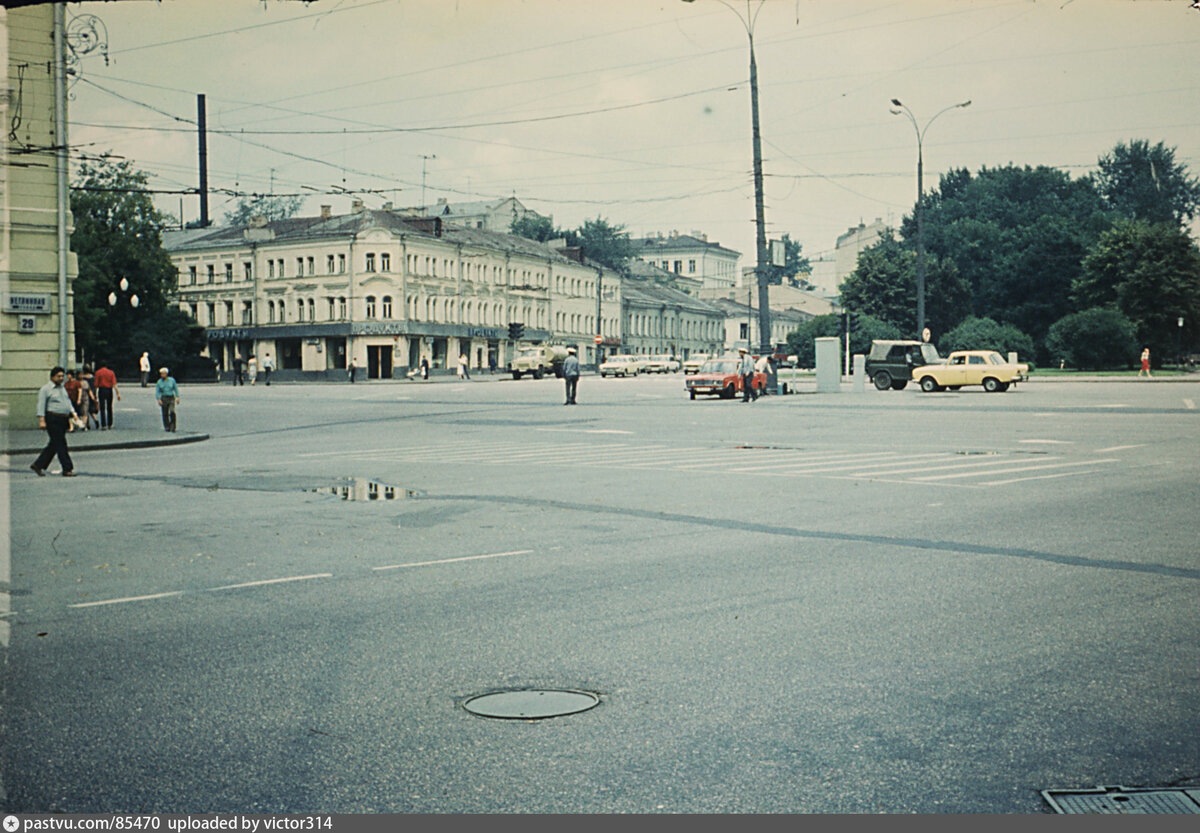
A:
[(971, 367)]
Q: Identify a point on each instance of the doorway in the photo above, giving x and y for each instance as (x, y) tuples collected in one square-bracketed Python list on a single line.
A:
[(379, 361)]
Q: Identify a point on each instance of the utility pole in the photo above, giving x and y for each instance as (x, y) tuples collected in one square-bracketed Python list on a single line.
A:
[(202, 127), (60, 161)]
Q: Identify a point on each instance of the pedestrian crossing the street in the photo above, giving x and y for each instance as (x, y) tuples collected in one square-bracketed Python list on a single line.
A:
[(952, 468)]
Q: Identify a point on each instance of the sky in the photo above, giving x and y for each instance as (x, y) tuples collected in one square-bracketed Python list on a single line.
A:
[(636, 111)]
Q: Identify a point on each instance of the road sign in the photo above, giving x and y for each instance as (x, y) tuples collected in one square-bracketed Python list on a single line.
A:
[(598, 339)]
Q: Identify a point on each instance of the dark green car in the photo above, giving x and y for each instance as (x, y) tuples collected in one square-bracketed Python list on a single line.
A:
[(890, 363)]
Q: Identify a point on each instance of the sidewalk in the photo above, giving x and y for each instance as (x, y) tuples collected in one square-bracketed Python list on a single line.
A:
[(33, 441)]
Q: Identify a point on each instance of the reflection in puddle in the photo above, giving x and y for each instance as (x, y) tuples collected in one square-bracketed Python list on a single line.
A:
[(357, 488)]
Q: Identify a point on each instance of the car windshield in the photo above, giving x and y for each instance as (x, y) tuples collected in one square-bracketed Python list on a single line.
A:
[(728, 366), (619, 360), (529, 354)]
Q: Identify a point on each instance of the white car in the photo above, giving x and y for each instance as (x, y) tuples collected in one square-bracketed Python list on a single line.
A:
[(662, 364), (693, 362), (620, 366)]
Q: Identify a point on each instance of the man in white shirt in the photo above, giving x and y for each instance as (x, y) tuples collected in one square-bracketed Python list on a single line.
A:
[(54, 411), (746, 371)]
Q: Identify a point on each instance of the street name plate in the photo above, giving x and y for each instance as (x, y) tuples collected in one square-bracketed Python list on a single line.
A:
[(27, 303)]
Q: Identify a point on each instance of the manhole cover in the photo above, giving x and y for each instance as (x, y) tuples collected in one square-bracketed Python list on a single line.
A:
[(530, 704), (1124, 801)]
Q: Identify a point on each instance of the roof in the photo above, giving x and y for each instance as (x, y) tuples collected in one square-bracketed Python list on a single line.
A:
[(646, 293), (649, 246)]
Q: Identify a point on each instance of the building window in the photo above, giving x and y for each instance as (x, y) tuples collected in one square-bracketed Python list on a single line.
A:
[(370, 267), (678, 267), (192, 275), (228, 313), (691, 267), (248, 270), (312, 310), (329, 264), (341, 307), (212, 273), (370, 306), (299, 266), (387, 306), (312, 267), (385, 262), (341, 264), (246, 311), (228, 273), (330, 300), (270, 268), (212, 314)]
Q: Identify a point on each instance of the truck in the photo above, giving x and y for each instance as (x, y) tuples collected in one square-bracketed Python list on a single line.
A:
[(537, 360)]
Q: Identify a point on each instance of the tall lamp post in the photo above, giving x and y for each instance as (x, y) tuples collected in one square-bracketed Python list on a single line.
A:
[(760, 224), (903, 110)]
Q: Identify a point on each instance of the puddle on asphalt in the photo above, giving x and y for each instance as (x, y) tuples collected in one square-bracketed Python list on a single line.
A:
[(358, 488)]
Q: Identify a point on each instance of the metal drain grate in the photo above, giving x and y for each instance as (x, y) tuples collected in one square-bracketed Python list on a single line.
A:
[(1124, 801)]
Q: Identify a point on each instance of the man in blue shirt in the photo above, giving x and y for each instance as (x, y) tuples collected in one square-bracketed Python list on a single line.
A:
[(167, 394), (54, 411)]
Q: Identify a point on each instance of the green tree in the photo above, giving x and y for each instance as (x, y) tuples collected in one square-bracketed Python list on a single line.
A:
[(1141, 182), (794, 264), (1151, 273), (1095, 339), (985, 334), (118, 235), (536, 227), (263, 205), (802, 340), (604, 242), (884, 286)]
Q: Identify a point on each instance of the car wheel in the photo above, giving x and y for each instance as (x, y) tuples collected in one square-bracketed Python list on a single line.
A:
[(1003, 386), (729, 392), (692, 394), (991, 385), (899, 384), (537, 374), (883, 380), (516, 374), (929, 384), (953, 387)]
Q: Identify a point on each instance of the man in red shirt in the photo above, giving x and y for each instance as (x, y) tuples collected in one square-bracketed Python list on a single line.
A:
[(105, 383)]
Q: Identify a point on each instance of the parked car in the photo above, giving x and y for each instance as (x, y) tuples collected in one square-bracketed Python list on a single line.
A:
[(890, 363), (620, 366), (662, 364), (720, 377), (971, 367), (692, 363)]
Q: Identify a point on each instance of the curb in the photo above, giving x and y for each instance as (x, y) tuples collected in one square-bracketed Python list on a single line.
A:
[(123, 444)]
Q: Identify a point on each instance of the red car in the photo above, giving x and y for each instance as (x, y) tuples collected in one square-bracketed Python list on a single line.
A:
[(719, 377)]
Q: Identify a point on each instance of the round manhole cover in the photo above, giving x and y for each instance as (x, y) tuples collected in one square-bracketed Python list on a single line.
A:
[(530, 704)]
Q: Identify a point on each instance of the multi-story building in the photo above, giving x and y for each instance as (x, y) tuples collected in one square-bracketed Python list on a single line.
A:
[(386, 291), (658, 318), (483, 215), (851, 244), (690, 257), (740, 326)]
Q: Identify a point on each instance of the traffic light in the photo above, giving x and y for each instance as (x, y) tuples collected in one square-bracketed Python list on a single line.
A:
[(516, 331)]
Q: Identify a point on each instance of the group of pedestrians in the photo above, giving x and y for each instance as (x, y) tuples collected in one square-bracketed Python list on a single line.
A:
[(248, 369), (91, 396)]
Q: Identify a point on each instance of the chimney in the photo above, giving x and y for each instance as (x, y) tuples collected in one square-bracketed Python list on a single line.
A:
[(326, 212), (258, 221), (387, 206), (356, 207)]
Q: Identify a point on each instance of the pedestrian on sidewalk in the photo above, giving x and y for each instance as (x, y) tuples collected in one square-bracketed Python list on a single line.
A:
[(54, 412), (167, 394), (353, 370), (425, 369), (252, 370), (464, 371), (144, 367), (268, 366), (1145, 363), (239, 373), (570, 369), (105, 383), (746, 371)]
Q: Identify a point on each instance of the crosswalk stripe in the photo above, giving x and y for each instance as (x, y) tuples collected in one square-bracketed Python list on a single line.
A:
[(1014, 469)]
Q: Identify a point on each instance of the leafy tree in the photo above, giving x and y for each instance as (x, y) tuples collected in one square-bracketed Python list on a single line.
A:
[(118, 235), (1095, 339), (794, 264), (884, 286), (985, 334), (265, 205), (605, 243), (536, 227), (1017, 236), (1151, 273), (801, 341), (1146, 183)]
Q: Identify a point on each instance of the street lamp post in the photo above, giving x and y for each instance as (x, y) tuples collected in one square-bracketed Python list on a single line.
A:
[(762, 257), (920, 131)]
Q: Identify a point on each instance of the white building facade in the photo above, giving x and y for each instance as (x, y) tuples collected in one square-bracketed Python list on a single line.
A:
[(690, 257), (384, 291)]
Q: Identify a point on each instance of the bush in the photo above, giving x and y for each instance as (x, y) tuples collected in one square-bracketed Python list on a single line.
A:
[(1095, 339), (985, 334)]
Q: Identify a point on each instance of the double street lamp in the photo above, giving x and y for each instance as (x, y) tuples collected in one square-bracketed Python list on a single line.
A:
[(760, 224), (133, 298), (900, 109)]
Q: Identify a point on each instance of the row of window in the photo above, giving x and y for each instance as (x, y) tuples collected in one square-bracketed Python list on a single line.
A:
[(425, 266), (678, 264), (692, 328)]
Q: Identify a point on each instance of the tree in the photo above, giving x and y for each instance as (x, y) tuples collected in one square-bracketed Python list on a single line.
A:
[(605, 243), (794, 264), (802, 340), (985, 334), (1095, 339), (1141, 182), (536, 227), (1151, 273), (884, 285), (263, 205), (118, 235)]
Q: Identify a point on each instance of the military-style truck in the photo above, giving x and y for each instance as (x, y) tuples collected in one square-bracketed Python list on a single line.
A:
[(537, 360)]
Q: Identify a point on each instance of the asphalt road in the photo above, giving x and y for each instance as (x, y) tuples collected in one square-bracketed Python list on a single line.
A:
[(854, 602)]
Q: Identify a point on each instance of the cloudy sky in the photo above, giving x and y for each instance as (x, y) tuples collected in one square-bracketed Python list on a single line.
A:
[(632, 110)]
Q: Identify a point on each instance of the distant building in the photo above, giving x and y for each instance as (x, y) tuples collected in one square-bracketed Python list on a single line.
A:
[(850, 244), (386, 290), (658, 318), (741, 324), (482, 215), (690, 256)]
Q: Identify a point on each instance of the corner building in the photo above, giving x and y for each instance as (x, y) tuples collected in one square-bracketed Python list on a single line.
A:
[(386, 291)]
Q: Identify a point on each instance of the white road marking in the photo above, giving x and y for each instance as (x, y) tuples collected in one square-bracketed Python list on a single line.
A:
[(1113, 448), (1048, 442), (1189, 404), (1038, 477), (1015, 468), (579, 431), (128, 599), (958, 464), (453, 560), (269, 581)]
